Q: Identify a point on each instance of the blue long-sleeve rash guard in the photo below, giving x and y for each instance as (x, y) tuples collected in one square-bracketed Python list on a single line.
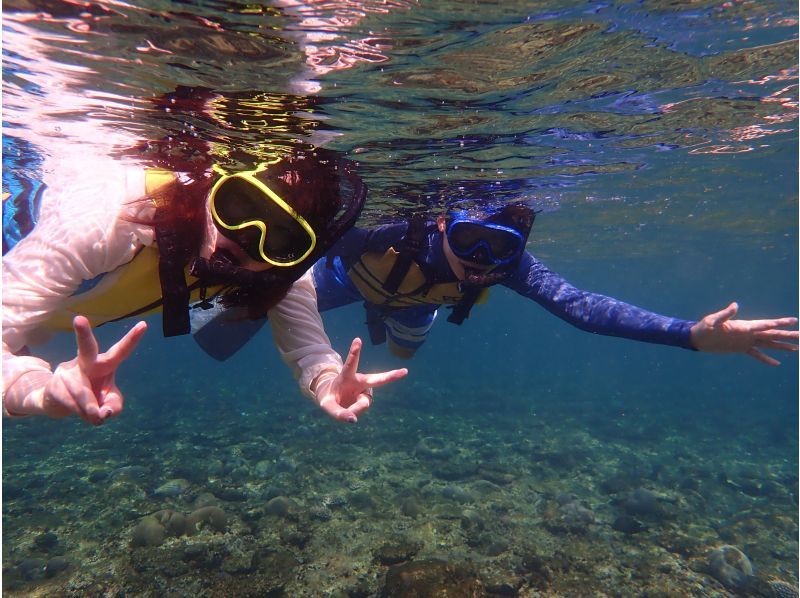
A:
[(532, 279)]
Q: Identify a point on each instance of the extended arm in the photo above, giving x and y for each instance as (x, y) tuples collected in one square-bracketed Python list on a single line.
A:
[(78, 237), (593, 312), (337, 388), (717, 332)]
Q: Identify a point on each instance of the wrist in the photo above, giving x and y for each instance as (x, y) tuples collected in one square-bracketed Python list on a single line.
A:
[(321, 385), (695, 336), (25, 396)]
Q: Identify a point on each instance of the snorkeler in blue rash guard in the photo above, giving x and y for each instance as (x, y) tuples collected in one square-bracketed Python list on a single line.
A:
[(404, 272)]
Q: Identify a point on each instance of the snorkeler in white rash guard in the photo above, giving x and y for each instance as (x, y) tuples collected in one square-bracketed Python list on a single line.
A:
[(134, 241)]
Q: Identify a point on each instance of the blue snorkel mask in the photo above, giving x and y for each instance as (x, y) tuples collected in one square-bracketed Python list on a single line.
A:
[(494, 240)]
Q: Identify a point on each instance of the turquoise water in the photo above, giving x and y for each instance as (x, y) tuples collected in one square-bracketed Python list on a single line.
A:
[(659, 140)]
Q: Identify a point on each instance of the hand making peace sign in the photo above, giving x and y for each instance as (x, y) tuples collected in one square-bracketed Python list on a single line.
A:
[(85, 386), (345, 395)]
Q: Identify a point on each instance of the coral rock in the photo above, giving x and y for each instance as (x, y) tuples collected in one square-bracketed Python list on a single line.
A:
[(278, 506), (55, 566), (213, 516), (174, 522), (149, 532), (730, 566), (781, 589), (431, 579)]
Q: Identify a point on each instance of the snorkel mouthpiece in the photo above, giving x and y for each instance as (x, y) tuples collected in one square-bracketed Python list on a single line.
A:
[(221, 268), (482, 278)]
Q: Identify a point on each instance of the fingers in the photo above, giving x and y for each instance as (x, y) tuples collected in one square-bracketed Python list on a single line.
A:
[(336, 411), (88, 408), (785, 322), (82, 398), (773, 344), (350, 366), (350, 390), (776, 334), (723, 315), (111, 403), (56, 400), (764, 325), (123, 348), (362, 404), (762, 357), (87, 343), (382, 378), (349, 415)]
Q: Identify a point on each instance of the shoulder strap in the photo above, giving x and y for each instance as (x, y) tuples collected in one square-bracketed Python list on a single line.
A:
[(171, 264), (174, 291), (409, 249)]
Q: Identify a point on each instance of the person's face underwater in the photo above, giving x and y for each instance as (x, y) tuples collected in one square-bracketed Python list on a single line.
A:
[(460, 267), (257, 226)]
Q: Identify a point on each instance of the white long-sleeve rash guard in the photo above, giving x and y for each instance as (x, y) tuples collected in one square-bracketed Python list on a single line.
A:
[(80, 235)]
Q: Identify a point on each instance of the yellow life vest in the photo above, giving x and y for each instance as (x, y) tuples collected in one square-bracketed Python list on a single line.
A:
[(370, 272), (121, 292), (128, 289)]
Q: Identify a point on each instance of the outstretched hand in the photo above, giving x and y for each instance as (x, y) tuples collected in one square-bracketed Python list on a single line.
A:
[(346, 395), (718, 333), (85, 386)]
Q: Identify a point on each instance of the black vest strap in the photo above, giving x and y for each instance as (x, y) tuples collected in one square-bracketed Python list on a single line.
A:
[(174, 291), (409, 249), (462, 308), (375, 323)]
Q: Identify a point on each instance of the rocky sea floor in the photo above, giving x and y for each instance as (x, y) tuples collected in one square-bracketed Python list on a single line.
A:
[(429, 499)]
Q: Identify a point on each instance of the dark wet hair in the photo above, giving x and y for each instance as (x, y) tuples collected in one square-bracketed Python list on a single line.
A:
[(517, 216)]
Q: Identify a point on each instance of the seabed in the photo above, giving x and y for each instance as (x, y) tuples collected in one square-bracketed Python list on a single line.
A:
[(435, 499)]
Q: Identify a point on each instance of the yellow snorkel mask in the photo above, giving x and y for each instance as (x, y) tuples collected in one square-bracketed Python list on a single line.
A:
[(247, 211)]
